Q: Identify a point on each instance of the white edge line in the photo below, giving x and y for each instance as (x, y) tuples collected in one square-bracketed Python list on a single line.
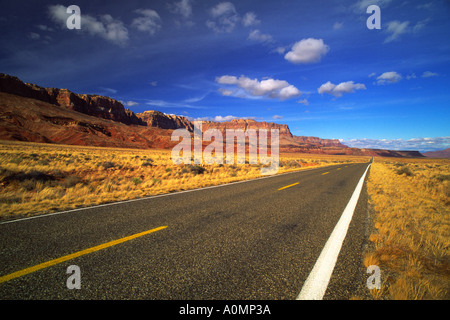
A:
[(317, 282), (155, 196)]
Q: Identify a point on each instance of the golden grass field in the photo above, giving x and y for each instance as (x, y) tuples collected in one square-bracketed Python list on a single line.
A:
[(42, 178), (411, 237), (410, 197)]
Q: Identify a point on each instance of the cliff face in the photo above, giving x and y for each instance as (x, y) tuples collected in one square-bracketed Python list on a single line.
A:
[(246, 124), (94, 105), (165, 121), (321, 142)]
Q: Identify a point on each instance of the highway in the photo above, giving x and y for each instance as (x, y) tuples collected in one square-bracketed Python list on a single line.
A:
[(254, 240)]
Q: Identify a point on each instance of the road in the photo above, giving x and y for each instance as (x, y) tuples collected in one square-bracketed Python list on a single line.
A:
[(256, 240)]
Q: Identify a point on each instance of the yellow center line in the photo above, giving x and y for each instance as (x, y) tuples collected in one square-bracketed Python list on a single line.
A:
[(325, 173), (74, 255), (291, 185)]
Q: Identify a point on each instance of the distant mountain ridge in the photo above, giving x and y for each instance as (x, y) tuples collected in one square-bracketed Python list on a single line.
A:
[(438, 154), (33, 113)]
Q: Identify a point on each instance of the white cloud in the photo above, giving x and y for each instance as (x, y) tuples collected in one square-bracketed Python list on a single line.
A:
[(420, 25), (428, 74), (105, 26), (277, 117), (417, 144), (303, 101), (280, 50), (250, 19), (130, 103), (226, 118), (222, 8), (44, 28), (338, 25), (226, 92), (218, 118), (341, 88), (34, 36), (362, 5), (183, 8), (58, 14), (395, 29), (389, 77), (289, 92), (256, 35), (224, 18), (272, 88), (307, 51), (149, 21), (108, 90)]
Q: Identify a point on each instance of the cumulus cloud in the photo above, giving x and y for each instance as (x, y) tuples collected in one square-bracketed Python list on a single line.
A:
[(226, 92), (130, 103), (34, 36), (303, 101), (149, 21), (105, 26), (389, 77), (307, 51), (218, 118), (341, 88), (223, 18), (256, 35), (337, 25), (272, 88), (362, 5), (226, 118), (183, 8), (428, 74), (250, 19), (418, 144)]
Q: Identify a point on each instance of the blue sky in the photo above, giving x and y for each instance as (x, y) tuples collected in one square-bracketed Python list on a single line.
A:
[(314, 65)]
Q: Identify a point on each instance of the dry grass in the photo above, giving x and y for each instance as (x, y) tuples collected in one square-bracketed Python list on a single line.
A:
[(412, 238), (41, 178)]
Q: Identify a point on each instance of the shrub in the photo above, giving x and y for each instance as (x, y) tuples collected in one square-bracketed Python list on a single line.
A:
[(107, 164), (404, 170), (71, 181), (33, 175), (136, 181), (442, 177), (148, 163), (196, 169)]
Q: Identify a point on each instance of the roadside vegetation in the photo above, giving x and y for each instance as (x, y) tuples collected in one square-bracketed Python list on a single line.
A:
[(42, 178), (411, 236)]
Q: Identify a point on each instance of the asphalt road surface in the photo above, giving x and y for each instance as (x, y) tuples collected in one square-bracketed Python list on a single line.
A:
[(256, 240)]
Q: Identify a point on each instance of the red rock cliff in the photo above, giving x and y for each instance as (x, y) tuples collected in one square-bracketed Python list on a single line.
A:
[(94, 105)]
